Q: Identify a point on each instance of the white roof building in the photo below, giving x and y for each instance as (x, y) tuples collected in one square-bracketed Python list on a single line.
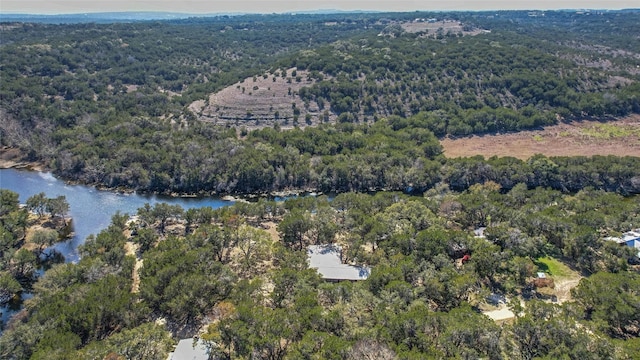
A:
[(187, 350), (327, 260)]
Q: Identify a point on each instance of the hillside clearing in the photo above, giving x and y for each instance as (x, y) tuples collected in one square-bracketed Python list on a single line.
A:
[(262, 101)]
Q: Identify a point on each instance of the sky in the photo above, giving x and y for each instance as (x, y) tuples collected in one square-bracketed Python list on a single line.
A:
[(279, 6)]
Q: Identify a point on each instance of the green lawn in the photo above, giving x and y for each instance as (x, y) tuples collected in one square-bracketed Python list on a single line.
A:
[(554, 267)]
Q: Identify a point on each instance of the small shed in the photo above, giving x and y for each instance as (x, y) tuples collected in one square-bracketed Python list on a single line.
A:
[(327, 260)]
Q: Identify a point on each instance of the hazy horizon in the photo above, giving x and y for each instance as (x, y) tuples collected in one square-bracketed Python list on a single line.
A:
[(40, 7)]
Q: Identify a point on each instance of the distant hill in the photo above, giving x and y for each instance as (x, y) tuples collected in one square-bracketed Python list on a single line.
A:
[(108, 17), (133, 16)]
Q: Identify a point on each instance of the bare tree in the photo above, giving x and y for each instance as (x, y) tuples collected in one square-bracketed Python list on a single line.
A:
[(369, 349)]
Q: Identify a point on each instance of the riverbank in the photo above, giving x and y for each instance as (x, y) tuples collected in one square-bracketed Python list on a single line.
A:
[(12, 158)]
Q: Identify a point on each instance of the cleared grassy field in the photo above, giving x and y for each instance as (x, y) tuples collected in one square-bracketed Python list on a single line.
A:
[(555, 268), (564, 278), (584, 138)]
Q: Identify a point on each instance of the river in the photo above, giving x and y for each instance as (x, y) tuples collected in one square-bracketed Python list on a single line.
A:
[(90, 209)]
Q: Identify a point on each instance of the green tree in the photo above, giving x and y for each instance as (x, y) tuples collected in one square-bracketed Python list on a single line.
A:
[(163, 211), (547, 331), (293, 229), (191, 217), (182, 282), (8, 201), (253, 245), (219, 240), (145, 238), (320, 345), (58, 207), (146, 215), (486, 259), (612, 301), (323, 226), (16, 223), (43, 239), (146, 342), (9, 287), (23, 265), (90, 311), (289, 284)]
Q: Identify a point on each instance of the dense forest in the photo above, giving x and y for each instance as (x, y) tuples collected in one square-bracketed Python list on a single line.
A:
[(108, 104), (111, 105), (249, 294)]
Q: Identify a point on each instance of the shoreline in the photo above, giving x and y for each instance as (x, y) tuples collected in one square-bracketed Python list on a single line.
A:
[(22, 165), (247, 198), (10, 158), (13, 158)]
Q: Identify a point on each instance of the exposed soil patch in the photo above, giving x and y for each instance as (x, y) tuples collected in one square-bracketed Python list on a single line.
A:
[(563, 288), (13, 158), (584, 138), (272, 228), (262, 100), (131, 88), (433, 27), (132, 250)]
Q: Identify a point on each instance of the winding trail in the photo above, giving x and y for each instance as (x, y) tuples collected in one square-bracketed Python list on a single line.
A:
[(563, 288)]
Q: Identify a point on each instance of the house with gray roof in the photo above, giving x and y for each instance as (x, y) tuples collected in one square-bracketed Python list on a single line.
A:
[(327, 259), (188, 349)]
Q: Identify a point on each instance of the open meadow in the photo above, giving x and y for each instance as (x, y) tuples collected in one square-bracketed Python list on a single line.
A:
[(585, 138)]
